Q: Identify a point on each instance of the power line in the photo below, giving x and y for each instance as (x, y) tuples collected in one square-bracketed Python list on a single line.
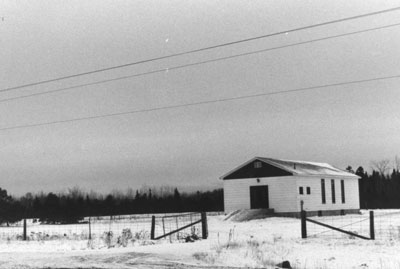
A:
[(198, 63), (203, 49), (201, 103)]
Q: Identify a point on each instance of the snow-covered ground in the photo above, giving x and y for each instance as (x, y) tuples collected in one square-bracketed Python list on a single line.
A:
[(255, 243)]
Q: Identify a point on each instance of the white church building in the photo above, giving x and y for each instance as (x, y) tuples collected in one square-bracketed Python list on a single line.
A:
[(286, 186)]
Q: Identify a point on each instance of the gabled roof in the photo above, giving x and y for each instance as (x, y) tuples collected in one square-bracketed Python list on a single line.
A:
[(300, 168)]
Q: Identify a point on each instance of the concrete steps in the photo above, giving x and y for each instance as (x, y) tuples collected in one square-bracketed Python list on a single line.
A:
[(250, 214)]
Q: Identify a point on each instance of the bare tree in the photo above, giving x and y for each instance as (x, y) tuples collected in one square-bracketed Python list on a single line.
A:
[(75, 193), (396, 164), (350, 169), (381, 166)]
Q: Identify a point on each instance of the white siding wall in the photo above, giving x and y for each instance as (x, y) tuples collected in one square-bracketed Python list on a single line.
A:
[(281, 190), (313, 201)]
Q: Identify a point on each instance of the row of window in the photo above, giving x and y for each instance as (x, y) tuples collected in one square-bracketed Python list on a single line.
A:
[(308, 189), (333, 192)]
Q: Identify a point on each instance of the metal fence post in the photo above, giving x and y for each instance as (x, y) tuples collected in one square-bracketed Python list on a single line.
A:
[(204, 227), (371, 225), (153, 227), (303, 224), (24, 236)]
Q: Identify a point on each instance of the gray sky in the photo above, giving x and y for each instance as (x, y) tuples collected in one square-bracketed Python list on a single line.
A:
[(190, 147)]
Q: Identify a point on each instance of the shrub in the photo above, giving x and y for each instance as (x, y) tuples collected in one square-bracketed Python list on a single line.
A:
[(124, 238), (108, 236)]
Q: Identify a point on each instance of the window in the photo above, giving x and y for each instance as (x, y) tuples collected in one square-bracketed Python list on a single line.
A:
[(342, 189), (333, 191), (257, 165), (323, 191), (301, 190), (308, 190)]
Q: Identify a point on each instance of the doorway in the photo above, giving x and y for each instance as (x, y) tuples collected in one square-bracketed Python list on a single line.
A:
[(259, 197)]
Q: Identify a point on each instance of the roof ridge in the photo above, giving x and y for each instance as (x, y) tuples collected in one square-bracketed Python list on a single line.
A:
[(276, 162), (295, 161), (300, 167)]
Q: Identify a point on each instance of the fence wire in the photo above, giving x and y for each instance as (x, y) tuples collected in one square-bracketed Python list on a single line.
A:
[(386, 225), (357, 224), (168, 224), (106, 230)]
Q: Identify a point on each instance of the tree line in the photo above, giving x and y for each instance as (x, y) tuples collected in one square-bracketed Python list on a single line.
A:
[(72, 206), (381, 188)]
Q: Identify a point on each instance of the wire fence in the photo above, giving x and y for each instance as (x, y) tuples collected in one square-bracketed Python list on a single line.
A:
[(104, 230), (101, 227), (179, 227), (385, 225)]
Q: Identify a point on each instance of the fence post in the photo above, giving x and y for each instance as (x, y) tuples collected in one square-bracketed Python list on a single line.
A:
[(163, 225), (204, 228), (24, 236), (177, 227), (371, 225), (303, 224), (153, 227), (90, 230)]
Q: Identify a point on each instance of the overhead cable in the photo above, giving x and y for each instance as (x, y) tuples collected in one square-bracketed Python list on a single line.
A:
[(200, 103), (203, 49), (162, 70)]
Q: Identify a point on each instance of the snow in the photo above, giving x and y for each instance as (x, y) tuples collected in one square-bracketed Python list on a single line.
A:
[(256, 243), (307, 168)]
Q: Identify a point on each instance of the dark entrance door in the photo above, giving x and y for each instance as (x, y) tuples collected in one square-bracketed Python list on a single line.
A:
[(259, 197)]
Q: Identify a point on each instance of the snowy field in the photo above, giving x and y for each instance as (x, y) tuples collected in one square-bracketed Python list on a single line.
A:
[(257, 243)]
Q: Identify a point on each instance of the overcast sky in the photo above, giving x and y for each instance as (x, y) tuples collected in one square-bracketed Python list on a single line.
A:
[(191, 147)]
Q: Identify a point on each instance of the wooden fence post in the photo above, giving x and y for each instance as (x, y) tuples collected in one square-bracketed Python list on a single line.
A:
[(371, 225), (24, 236), (153, 227), (204, 227), (90, 230), (303, 224)]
